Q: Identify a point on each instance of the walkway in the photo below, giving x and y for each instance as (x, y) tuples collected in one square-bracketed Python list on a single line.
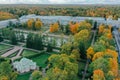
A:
[(87, 63), (18, 55), (45, 33), (16, 48)]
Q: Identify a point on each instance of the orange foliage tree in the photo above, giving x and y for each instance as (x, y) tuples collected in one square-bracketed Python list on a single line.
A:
[(54, 27), (98, 75)]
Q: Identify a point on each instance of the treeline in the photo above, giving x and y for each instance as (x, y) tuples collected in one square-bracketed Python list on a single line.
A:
[(71, 27), (103, 56), (31, 24), (84, 10), (6, 15)]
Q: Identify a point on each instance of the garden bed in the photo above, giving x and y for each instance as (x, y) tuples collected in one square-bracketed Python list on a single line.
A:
[(4, 47)]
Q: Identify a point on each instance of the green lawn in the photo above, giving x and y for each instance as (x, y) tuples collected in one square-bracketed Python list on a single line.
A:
[(40, 60), (28, 53), (3, 47), (24, 76), (12, 55)]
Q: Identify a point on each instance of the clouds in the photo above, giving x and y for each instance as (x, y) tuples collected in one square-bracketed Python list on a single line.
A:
[(57, 1)]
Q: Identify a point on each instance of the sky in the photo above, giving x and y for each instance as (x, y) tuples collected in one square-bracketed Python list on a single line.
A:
[(59, 1)]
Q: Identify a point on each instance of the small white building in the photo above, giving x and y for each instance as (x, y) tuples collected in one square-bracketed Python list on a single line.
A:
[(24, 65)]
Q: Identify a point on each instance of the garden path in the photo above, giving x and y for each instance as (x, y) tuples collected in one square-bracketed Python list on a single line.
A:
[(87, 63), (16, 48)]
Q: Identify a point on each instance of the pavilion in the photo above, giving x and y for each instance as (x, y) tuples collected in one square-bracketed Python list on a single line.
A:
[(24, 65)]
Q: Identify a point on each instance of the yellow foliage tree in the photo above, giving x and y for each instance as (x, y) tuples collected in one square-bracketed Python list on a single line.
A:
[(101, 28), (97, 55), (38, 24), (90, 52), (83, 35), (30, 23)]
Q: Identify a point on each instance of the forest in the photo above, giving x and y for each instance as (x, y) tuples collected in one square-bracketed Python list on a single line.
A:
[(64, 10)]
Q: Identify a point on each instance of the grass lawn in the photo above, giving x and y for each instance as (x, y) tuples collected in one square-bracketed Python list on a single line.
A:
[(40, 60), (24, 76), (3, 47), (28, 53), (12, 55), (53, 52)]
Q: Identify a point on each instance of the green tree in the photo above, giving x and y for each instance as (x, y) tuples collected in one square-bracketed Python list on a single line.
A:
[(13, 38), (6, 70), (36, 75)]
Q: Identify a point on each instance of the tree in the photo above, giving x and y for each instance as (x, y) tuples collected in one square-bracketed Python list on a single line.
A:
[(6, 71), (34, 41), (22, 37), (30, 23), (74, 28), (13, 38), (67, 48), (36, 75), (49, 46), (95, 25), (1, 38), (114, 68), (101, 28), (67, 29), (54, 27), (98, 75), (63, 67), (103, 65), (82, 49), (90, 52), (29, 40), (38, 24), (75, 54), (83, 35), (84, 25)]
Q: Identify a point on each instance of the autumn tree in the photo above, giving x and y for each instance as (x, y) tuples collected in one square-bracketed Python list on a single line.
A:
[(62, 67), (30, 23), (54, 27), (90, 52), (67, 48), (98, 75), (36, 75), (38, 24)]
